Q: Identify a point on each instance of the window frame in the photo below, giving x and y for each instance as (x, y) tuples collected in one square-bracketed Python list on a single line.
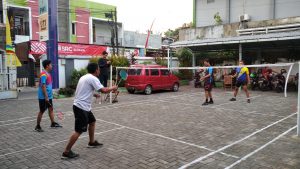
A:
[(73, 31), (164, 70), (152, 70)]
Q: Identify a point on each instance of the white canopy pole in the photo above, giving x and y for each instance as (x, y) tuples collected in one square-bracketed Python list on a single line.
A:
[(110, 94), (298, 116), (168, 58), (287, 79)]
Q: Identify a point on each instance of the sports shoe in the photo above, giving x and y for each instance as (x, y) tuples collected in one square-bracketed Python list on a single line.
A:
[(211, 102), (38, 129), (205, 103), (69, 155), (55, 125), (95, 144), (233, 99), (115, 101), (248, 100)]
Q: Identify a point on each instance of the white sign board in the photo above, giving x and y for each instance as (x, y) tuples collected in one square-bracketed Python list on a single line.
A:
[(43, 20)]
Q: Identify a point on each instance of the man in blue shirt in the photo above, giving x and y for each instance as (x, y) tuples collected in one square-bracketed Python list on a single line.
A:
[(208, 82), (45, 96)]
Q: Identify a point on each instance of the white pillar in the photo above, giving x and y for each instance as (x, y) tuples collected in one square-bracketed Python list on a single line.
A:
[(193, 63), (298, 119), (287, 79), (110, 94), (240, 51), (168, 58)]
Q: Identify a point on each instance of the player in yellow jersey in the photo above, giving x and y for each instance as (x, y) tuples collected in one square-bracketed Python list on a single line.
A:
[(242, 79)]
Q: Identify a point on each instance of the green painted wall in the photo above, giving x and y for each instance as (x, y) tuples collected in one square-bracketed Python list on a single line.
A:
[(73, 38), (17, 2), (97, 10), (194, 13)]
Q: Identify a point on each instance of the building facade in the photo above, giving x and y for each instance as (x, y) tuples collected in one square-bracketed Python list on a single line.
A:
[(256, 31), (82, 25), (232, 11)]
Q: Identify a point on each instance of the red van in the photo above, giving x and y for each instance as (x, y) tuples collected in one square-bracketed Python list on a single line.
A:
[(141, 78)]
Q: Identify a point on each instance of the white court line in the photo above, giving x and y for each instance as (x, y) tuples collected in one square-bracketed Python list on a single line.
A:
[(17, 128), (139, 102), (263, 114), (68, 113), (17, 119), (53, 143), (230, 102), (236, 142), (199, 106), (169, 138), (253, 112), (260, 148), (106, 107), (21, 122)]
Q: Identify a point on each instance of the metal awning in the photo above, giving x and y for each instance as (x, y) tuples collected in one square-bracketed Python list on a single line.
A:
[(287, 38)]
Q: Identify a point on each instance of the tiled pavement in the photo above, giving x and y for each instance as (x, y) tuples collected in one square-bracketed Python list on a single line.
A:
[(163, 130)]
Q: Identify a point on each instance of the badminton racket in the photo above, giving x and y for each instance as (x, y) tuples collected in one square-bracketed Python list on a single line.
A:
[(123, 74), (59, 114)]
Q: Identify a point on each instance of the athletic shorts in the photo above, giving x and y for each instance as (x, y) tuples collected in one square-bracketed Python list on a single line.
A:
[(207, 86), (44, 105), (82, 119), (240, 83)]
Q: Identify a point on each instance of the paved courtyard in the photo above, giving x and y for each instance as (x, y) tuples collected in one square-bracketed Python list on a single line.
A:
[(162, 130)]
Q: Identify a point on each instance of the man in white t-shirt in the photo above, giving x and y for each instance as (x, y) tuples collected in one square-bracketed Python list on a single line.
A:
[(84, 118)]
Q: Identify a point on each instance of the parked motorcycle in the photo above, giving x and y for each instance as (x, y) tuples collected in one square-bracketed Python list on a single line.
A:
[(297, 81), (279, 81), (254, 78), (265, 83)]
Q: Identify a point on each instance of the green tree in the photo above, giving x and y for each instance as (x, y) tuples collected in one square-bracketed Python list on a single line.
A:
[(218, 18), (172, 33), (185, 57)]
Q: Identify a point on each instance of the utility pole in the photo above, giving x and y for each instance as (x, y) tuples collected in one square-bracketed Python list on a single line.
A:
[(52, 45), (116, 29), (112, 33)]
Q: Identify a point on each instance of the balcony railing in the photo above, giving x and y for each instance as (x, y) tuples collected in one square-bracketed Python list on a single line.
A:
[(270, 29)]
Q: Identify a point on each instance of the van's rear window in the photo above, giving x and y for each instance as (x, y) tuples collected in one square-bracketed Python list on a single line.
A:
[(134, 71)]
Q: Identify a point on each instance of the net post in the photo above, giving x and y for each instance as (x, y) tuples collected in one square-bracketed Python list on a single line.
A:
[(110, 93), (194, 63), (116, 75), (168, 58), (298, 113), (287, 79)]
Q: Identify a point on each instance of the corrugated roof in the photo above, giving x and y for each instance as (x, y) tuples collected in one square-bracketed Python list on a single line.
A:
[(238, 39)]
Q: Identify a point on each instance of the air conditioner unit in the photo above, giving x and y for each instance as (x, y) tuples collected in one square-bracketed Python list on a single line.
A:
[(244, 17)]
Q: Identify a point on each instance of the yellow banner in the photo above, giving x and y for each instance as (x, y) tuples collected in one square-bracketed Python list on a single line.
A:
[(12, 61), (11, 58)]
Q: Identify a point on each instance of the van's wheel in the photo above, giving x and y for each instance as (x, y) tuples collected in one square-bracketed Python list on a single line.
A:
[(131, 91), (148, 90), (175, 87)]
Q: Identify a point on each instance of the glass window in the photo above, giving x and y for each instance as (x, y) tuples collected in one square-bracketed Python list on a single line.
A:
[(147, 72), (134, 71), (154, 72), (164, 72), (73, 29)]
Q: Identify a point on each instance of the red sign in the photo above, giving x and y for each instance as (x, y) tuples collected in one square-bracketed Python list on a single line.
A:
[(68, 49)]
